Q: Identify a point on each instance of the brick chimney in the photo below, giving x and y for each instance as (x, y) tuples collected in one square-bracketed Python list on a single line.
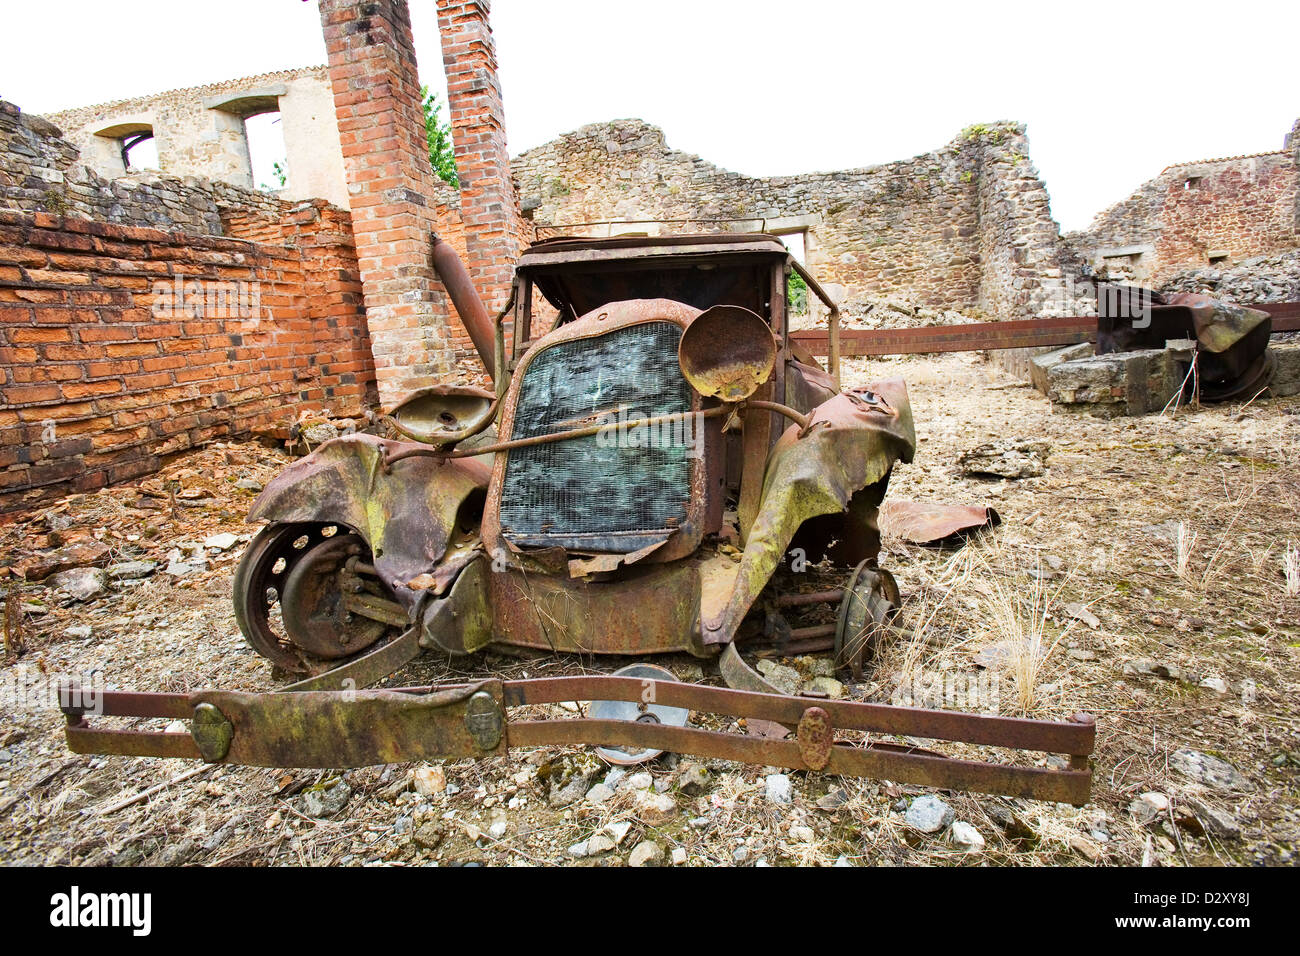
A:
[(395, 196), (495, 231)]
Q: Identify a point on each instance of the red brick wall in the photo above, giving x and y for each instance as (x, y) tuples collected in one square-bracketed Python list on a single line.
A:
[(396, 199), (1243, 208), (97, 387), (495, 231)]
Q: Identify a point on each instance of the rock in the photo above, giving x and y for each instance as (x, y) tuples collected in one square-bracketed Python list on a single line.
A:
[(599, 843), (429, 781), (1144, 667), (80, 584), (429, 835), (325, 801), (1006, 458), (1081, 613), (1216, 684), (801, 833), (842, 861), (615, 777), (740, 854), (1079, 654), (929, 814), (638, 781), (1039, 365), (1218, 822), (79, 631), (646, 853), (784, 679), (567, 778), (693, 780), (832, 800), (828, 686), (652, 808), (1210, 771), (132, 570), (818, 666), (320, 433), (578, 851), (1086, 848), (221, 542), (498, 829), (618, 830), (1149, 807), (176, 854), (599, 794), (679, 855), (186, 559), (248, 484), (779, 788), (83, 554), (1120, 383), (1011, 823), (965, 837)]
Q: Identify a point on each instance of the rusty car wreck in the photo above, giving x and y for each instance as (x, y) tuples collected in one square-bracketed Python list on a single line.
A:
[(654, 448)]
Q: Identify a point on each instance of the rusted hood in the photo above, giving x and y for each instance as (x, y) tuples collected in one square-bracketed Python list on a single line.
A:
[(407, 516), (851, 444)]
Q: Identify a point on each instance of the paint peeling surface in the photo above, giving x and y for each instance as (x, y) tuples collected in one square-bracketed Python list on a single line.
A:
[(851, 445)]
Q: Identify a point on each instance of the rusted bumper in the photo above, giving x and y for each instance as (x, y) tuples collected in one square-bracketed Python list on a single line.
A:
[(359, 728)]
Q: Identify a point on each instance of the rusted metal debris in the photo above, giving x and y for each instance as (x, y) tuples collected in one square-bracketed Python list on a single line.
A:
[(1232, 356), (933, 523), (660, 452)]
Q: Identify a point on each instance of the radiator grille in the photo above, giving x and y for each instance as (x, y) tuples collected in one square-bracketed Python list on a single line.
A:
[(583, 494)]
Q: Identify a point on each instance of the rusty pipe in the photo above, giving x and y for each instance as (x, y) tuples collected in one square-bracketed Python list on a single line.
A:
[(832, 319), (473, 313)]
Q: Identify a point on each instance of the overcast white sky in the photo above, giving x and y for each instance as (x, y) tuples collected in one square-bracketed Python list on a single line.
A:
[(1111, 91)]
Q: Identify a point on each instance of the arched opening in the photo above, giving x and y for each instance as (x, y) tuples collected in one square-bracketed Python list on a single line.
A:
[(139, 151), (258, 113), (124, 146)]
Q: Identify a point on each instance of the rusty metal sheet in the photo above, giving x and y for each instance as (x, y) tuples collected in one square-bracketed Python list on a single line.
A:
[(930, 522)]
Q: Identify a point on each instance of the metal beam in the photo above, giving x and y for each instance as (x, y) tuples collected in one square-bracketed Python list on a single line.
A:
[(980, 336)]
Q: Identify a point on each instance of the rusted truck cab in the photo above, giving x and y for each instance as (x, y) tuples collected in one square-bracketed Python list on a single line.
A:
[(624, 502)]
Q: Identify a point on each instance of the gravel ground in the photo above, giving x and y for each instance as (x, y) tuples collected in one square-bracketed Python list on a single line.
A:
[(1140, 578)]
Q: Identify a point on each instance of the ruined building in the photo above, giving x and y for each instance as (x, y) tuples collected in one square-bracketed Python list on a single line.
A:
[(143, 311)]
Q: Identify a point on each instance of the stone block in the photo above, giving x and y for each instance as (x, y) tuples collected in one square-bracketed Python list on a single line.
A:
[(1039, 364), (1121, 383), (1286, 379)]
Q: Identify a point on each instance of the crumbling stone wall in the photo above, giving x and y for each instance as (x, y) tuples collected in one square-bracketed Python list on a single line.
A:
[(965, 226), (200, 131), (1211, 213), (1260, 279)]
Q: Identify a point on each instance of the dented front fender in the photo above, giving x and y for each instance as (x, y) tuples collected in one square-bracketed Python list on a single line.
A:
[(407, 513), (844, 456)]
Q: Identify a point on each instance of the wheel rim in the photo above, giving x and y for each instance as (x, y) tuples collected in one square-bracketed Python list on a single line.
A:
[(870, 605), (283, 600)]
